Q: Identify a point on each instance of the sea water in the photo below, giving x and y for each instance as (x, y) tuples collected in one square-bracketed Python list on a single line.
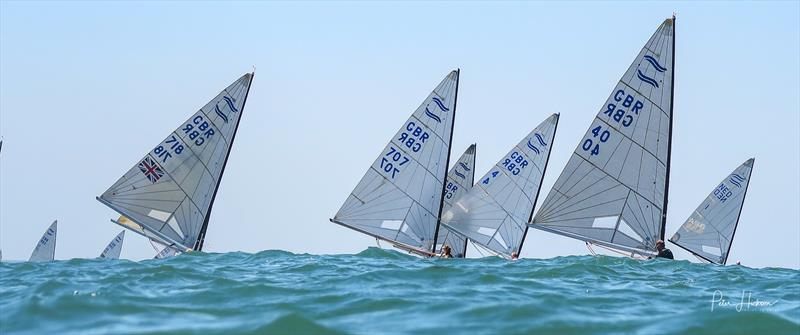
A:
[(387, 292)]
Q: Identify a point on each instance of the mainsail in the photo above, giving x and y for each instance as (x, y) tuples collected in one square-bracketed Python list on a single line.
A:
[(709, 231), (495, 213), (613, 191), (459, 182), (45, 250), (114, 248), (169, 193), (400, 197)]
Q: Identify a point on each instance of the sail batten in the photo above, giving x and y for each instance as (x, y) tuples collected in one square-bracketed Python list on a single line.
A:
[(613, 189), (708, 233), (170, 192), (494, 213), (400, 196)]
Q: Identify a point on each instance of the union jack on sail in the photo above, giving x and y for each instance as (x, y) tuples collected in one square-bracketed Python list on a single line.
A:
[(151, 170)]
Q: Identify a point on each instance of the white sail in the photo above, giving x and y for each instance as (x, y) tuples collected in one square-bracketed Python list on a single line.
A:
[(708, 232), (496, 211), (613, 191), (163, 251), (45, 250), (459, 182), (114, 247), (399, 199), (170, 192)]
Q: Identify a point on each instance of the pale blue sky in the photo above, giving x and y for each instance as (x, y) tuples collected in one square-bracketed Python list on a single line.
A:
[(87, 88)]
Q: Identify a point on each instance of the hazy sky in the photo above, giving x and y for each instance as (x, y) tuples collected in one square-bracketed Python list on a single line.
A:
[(86, 89)]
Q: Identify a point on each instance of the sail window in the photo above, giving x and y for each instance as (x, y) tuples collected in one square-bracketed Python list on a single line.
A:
[(605, 222), (159, 215), (391, 224), (486, 231), (712, 250), (627, 230)]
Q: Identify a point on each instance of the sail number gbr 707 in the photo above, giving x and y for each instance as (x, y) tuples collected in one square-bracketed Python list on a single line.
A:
[(412, 137), (621, 111)]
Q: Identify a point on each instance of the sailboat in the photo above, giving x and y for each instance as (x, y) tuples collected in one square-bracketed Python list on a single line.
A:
[(494, 214), (45, 250), (400, 197), (459, 181), (613, 190), (167, 195), (114, 247), (708, 232)]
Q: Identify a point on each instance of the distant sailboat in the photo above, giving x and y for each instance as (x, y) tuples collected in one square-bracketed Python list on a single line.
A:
[(709, 231), (494, 214), (459, 181), (114, 247), (45, 250), (167, 196), (400, 197), (613, 191)]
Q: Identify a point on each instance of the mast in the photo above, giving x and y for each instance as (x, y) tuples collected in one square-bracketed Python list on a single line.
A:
[(201, 238), (738, 216), (669, 142), (472, 184), (536, 199), (447, 165)]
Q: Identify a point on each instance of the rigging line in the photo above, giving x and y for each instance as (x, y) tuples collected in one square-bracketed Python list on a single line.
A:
[(589, 246)]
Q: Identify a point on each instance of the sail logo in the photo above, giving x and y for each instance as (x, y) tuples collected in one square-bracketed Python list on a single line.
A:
[(655, 63), (231, 106), (539, 139), (694, 226), (533, 147), (440, 105), (736, 180), (150, 169), (656, 66)]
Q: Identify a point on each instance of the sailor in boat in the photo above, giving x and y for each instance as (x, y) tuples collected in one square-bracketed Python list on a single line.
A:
[(662, 251), (514, 256), (446, 252)]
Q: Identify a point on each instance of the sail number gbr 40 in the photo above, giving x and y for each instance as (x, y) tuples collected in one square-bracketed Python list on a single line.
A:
[(621, 110)]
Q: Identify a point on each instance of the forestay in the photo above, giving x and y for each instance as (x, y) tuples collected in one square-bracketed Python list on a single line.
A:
[(613, 190), (459, 182), (495, 212), (170, 191), (399, 199), (45, 250), (114, 248), (709, 231)]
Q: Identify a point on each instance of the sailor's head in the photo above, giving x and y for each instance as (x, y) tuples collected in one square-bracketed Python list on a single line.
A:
[(660, 245), (514, 255), (446, 249)]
